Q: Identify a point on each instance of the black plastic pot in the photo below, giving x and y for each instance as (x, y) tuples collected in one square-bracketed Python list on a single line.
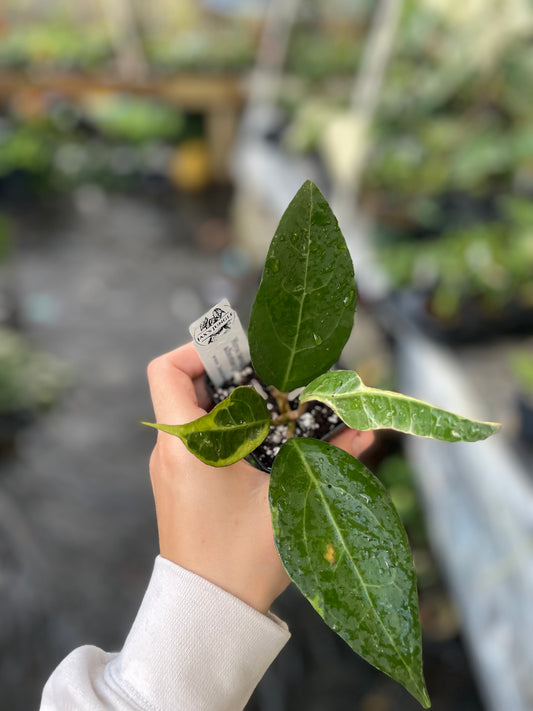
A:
[(525, 411), (263, 456), (471, 324), (10, 425)]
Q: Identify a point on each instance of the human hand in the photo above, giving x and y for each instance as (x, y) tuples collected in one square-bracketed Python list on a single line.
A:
[(214, 522)]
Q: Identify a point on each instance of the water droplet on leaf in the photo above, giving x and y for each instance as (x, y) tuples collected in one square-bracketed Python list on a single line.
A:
[(348, 299), (273, 265)]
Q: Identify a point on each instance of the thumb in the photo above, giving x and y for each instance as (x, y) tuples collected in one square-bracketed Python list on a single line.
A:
[(170, 377)]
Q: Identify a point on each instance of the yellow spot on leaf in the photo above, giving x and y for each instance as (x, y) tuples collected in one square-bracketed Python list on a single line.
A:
[(330, 555)]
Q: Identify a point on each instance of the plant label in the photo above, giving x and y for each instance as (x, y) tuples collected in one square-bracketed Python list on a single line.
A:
[(221, 342)]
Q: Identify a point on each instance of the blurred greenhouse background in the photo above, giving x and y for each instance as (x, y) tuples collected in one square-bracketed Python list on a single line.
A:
[(147, 151)]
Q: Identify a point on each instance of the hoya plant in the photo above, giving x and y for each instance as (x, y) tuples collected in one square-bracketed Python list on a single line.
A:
[(336, 529)]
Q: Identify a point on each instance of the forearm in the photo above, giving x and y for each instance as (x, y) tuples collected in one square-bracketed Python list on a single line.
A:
[(192, 646)]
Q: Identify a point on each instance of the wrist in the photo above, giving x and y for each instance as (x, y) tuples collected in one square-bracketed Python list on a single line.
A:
[(257, 590)]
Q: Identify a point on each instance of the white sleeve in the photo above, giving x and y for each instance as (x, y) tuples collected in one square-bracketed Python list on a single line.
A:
[(192, 647)]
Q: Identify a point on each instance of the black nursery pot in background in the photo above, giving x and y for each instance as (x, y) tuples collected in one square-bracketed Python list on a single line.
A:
[(472, 323), (318, 421), (525, 411), (10, 425)]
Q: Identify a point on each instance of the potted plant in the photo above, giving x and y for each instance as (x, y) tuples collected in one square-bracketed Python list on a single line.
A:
[(336, 529), (467, 285)]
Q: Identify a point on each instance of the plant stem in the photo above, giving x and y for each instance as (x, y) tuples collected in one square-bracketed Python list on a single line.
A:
[(282, 400), (289, 417)]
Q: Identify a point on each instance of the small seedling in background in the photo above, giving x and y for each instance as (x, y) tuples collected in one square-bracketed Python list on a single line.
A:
[(336, 529)]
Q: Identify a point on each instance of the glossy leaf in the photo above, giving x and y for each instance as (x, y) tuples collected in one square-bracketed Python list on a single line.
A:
[(234, 428), (365, 408), (304, 309), (343, 544)]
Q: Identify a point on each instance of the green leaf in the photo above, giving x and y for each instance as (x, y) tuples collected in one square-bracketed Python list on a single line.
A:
[(232, 429), (303, 311), (343, 544), (365, 408)]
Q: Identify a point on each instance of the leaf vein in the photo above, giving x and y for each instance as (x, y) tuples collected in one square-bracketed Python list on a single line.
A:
[(306, 539), (300, 312)]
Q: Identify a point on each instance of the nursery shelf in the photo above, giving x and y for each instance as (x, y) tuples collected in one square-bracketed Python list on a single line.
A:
[(217, 96), (191, 91)]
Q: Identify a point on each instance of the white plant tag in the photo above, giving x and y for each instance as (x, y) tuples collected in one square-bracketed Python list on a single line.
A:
[(221, 342)]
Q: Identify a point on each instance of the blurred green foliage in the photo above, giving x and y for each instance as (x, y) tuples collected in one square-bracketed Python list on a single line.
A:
[(522, 369), (226, 49), (54, 45), (489, 262), (315, 55), (29, 379), (134, 119), (25, 147), (6, 238), (109, 139), (395, 472), (60, 46), (317, 50), (449, 174)]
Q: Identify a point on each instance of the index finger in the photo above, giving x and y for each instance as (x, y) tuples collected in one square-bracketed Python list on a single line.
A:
[(170, 377), (355, 442)]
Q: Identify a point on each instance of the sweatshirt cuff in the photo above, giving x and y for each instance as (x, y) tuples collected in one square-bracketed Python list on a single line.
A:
[(194, 645)]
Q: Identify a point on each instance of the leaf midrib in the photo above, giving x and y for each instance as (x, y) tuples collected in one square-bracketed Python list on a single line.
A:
[(333, 400), (226, 428), (304, 293)]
